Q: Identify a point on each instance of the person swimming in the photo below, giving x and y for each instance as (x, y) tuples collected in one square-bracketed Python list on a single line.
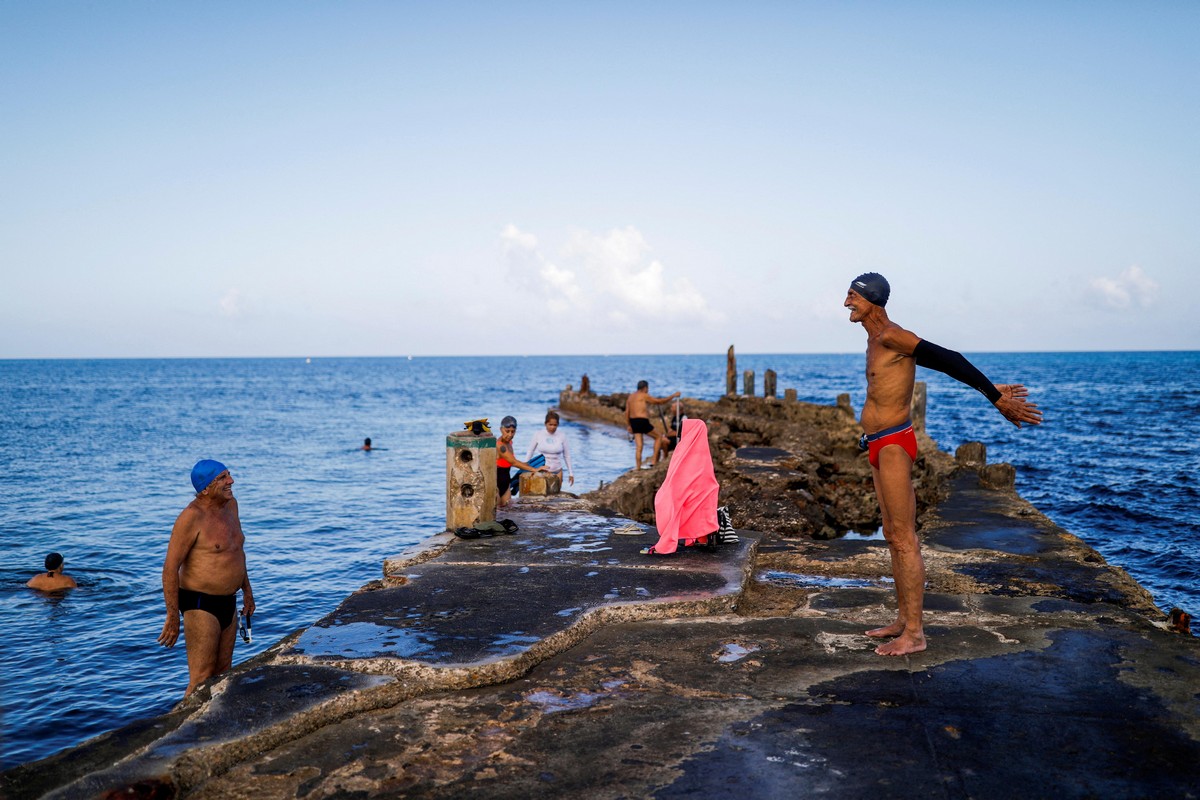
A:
[(53, 579)]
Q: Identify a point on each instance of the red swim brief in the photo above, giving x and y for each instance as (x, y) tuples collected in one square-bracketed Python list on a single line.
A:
[(902, 435)]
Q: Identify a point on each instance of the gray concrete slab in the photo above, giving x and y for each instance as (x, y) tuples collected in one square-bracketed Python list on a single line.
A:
[(472, 604), (1030, 703), (561, 662), (237, 717)]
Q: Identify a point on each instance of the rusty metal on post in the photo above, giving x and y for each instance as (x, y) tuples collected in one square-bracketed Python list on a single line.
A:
[(730, 373), (470, 479), (769, 383)]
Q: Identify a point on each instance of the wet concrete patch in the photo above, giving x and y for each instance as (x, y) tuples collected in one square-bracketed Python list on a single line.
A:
[(261, 697), (448, 616), (761, 454), (1055, 578), (1007, 726), (552, 539), (850, 598), (1000, 536), (793, 580)]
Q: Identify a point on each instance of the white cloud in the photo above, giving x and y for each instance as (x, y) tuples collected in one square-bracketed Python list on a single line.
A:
[(515, 239), (1133, 286), (613, 271), (231, 303)]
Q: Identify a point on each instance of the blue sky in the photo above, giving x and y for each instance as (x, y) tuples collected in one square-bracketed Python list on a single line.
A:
[(307, 179)]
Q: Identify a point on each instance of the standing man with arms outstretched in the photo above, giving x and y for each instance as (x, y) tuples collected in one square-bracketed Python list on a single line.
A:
[(204, 568), (893, 355), (637, 419)]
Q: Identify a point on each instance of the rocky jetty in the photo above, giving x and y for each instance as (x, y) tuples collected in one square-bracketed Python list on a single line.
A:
[(559, 662)]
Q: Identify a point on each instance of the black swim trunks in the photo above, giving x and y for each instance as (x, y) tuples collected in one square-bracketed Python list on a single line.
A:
[(641, 425), (503, 480), (221, 606)]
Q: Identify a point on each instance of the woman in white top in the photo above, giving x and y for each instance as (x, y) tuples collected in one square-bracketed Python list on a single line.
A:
[(553, 445)]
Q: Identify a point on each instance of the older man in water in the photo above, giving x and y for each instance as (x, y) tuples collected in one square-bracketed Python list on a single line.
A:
[(893, 355), (204, 568)]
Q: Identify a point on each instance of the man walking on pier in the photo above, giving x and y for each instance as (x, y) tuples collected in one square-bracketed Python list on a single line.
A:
[(637, 420), (204, 568), (893, 355)]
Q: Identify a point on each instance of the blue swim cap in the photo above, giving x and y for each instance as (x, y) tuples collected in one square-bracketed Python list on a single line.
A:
[(873, 287), (204, 472)]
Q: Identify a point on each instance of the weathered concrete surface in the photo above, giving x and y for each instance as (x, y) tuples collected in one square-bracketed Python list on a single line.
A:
[(1018, 696), (561, 662), (483, 610), (452, 614)]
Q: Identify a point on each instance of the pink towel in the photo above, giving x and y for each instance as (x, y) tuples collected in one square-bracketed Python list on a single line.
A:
[(685, 507)]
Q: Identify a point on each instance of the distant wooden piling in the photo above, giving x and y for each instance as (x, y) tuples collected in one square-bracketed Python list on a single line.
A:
[(730, 373), (748, 383), (769, 383), (789, 395), (470, 479), (918, 406)]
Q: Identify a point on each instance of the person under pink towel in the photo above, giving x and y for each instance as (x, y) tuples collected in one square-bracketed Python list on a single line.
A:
[(685, 507)]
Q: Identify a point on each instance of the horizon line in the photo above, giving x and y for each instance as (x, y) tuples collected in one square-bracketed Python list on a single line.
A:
[(414, 356)]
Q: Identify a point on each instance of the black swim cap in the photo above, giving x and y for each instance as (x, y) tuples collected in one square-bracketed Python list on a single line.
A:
[(54, 561), (873, 287)]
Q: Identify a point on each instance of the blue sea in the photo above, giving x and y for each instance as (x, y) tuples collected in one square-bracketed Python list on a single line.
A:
[(95, 457)]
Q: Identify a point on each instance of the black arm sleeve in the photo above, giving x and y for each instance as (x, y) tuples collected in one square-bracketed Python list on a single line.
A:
[(928, 354)]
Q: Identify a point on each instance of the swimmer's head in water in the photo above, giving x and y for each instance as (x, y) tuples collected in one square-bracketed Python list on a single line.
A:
[(204, 472), (873, 287), (54, 561), (508, 422), (367, 441)]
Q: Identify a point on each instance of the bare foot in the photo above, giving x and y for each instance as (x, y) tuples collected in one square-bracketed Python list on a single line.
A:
[(902, 645), (895, 629)]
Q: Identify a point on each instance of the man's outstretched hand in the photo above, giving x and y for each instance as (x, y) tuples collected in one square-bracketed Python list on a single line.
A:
[(1015, 408)]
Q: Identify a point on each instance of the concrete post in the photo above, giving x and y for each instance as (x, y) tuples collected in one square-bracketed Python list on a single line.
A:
[(470, 479), (540, 484), (918, 406), (971, 454), (769, 383), (843, 402), (730, 373), (748, 383)]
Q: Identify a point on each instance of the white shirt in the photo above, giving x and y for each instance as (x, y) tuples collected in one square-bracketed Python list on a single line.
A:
[(554, 447)]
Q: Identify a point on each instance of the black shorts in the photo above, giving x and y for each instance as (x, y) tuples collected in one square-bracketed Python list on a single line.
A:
[(221, 606), (640, 425), (503, 479)]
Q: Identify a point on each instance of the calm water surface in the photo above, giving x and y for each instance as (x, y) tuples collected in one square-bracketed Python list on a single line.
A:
[(96, 456)]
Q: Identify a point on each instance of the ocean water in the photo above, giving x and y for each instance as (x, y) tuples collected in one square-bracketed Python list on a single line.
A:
[(95, 456)]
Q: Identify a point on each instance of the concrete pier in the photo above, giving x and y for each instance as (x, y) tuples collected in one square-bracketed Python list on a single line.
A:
[(560, 662)]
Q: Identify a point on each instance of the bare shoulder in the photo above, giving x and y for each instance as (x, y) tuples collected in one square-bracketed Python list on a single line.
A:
[(894, 337), (190, 513), (188, 521)]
